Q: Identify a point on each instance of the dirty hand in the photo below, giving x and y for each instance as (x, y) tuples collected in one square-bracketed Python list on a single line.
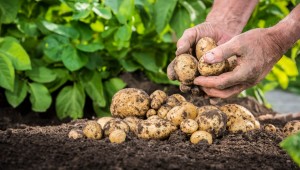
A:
[(256, 50)]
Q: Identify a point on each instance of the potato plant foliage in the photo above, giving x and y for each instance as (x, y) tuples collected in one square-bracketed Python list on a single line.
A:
[(63, 51)]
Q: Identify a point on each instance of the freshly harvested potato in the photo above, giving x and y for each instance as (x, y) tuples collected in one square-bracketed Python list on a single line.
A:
[(189, 126), (185, 88), (202, 109), (103, 120), (203, 45), (130, 102), (241, 125), (235, 111), (115, 124), (117, 136), (190, 108), (150, 112), (270, 128), (175, 100), (185, 67), (232, 63), (256, 124), (177, 114), (75, 134), (212, 121), (132, 122), (92, 130), (163, 111), (155, 128), (200, 135), (291, 127), (158, 97), (215, 69)]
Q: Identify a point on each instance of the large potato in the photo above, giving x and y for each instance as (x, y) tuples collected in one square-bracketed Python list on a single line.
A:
[(158, 97), (130, 102), (215, 69), (185, 67), (291, 127), (241, 125), (190, 108), (203, 45), (132, 122), (155, 128), (212, 121), (115, 124), (202, 109), (199, 136), (177, 114)]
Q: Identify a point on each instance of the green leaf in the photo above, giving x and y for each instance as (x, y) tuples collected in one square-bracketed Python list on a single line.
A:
[(71, 59), (113, 85), (180, 21), (291, 144), (147, 60), (18, 95), (70, 102), (19, 57), (41, 74), (123, 33), (91, 47), (81, 10), (160, 78), (113, 4), (7, 73), (103, 12), (288, 65), (54, 46), (281, 77), (126, 10), (63, 30), (62, 76), (129, 65), (9, 10), (94, 88), (40, 97), (163, 13)]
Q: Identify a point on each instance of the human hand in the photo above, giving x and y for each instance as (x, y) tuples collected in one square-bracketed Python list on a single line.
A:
[(256, 50)]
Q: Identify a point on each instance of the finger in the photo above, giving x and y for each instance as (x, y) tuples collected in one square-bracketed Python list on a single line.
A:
[(224, 80), (221, 52), (225, 93), (171, 72), (186, 41)]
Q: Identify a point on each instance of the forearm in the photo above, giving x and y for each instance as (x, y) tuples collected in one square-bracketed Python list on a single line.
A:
[(232, 14)]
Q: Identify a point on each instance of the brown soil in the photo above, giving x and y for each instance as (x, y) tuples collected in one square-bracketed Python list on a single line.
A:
[(39, 141)]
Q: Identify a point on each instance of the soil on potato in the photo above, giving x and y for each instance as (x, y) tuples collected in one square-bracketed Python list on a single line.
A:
[(30, 140)]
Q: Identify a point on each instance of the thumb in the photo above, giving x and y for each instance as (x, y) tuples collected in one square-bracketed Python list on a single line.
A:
[(220, 53)]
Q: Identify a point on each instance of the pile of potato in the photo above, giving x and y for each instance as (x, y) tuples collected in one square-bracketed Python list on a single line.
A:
[(158, 115)]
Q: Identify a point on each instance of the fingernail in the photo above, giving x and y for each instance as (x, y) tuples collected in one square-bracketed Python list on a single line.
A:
[(209, 57)]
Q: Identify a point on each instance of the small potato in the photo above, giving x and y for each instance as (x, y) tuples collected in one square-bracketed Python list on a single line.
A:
[(241, 125), (132, 122), (291, 127), (115, 124), (256, 124), (163, 111), (92, 130), (130, 102), (117, 136), (103, 120), (175, 100), (232, 63), (158, 97), (185, 67), (235, 111), (150, 112), (270, 128), (199, 136), (203, 45), (206, 69), (75, 134), (189, 126), (185, 88), (212, 121), (155, 129), (190, 108), (202, 109), (177, 114)]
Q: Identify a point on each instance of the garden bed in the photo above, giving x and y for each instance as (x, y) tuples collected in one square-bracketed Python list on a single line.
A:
[(30, 140)]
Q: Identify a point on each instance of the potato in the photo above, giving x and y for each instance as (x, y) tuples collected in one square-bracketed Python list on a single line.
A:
[(156, 128), (190, 108), (154, 117), (256, 124), (199, 136), (150, 112), (202, 109), (117, 136), (115, 124), (241, 125), (203, 45), (158, 97), (163, 111), (92, 130), (185, 67), (75, 134), (291, 127), (177, 114), (232, 63), (175, 100), (212, 121), (270, 128), (215, 69), (235, 111), (189, 126), (185, 88), (130, 102), (132, 122), (103, 120)]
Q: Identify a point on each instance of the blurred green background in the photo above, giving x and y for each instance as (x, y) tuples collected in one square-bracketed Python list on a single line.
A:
[(78, 48)]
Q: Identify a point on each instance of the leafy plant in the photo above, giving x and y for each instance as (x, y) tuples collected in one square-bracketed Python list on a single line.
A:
[(292, 145)]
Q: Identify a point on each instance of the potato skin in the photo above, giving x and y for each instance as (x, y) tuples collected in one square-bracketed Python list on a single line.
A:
[(202, 109), (175, 100), (291, 127), (158, 97), (163, 111), (117, 136), (103, 120), (241, 125), (203, 45), (177, 114), (185, 67), (132, 123), (199, 136), (130, 102), (115, 124), (190, 108), (270, 128), (92, 130), (150, 112), (189, 126), (215, 69), (75, 134)]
